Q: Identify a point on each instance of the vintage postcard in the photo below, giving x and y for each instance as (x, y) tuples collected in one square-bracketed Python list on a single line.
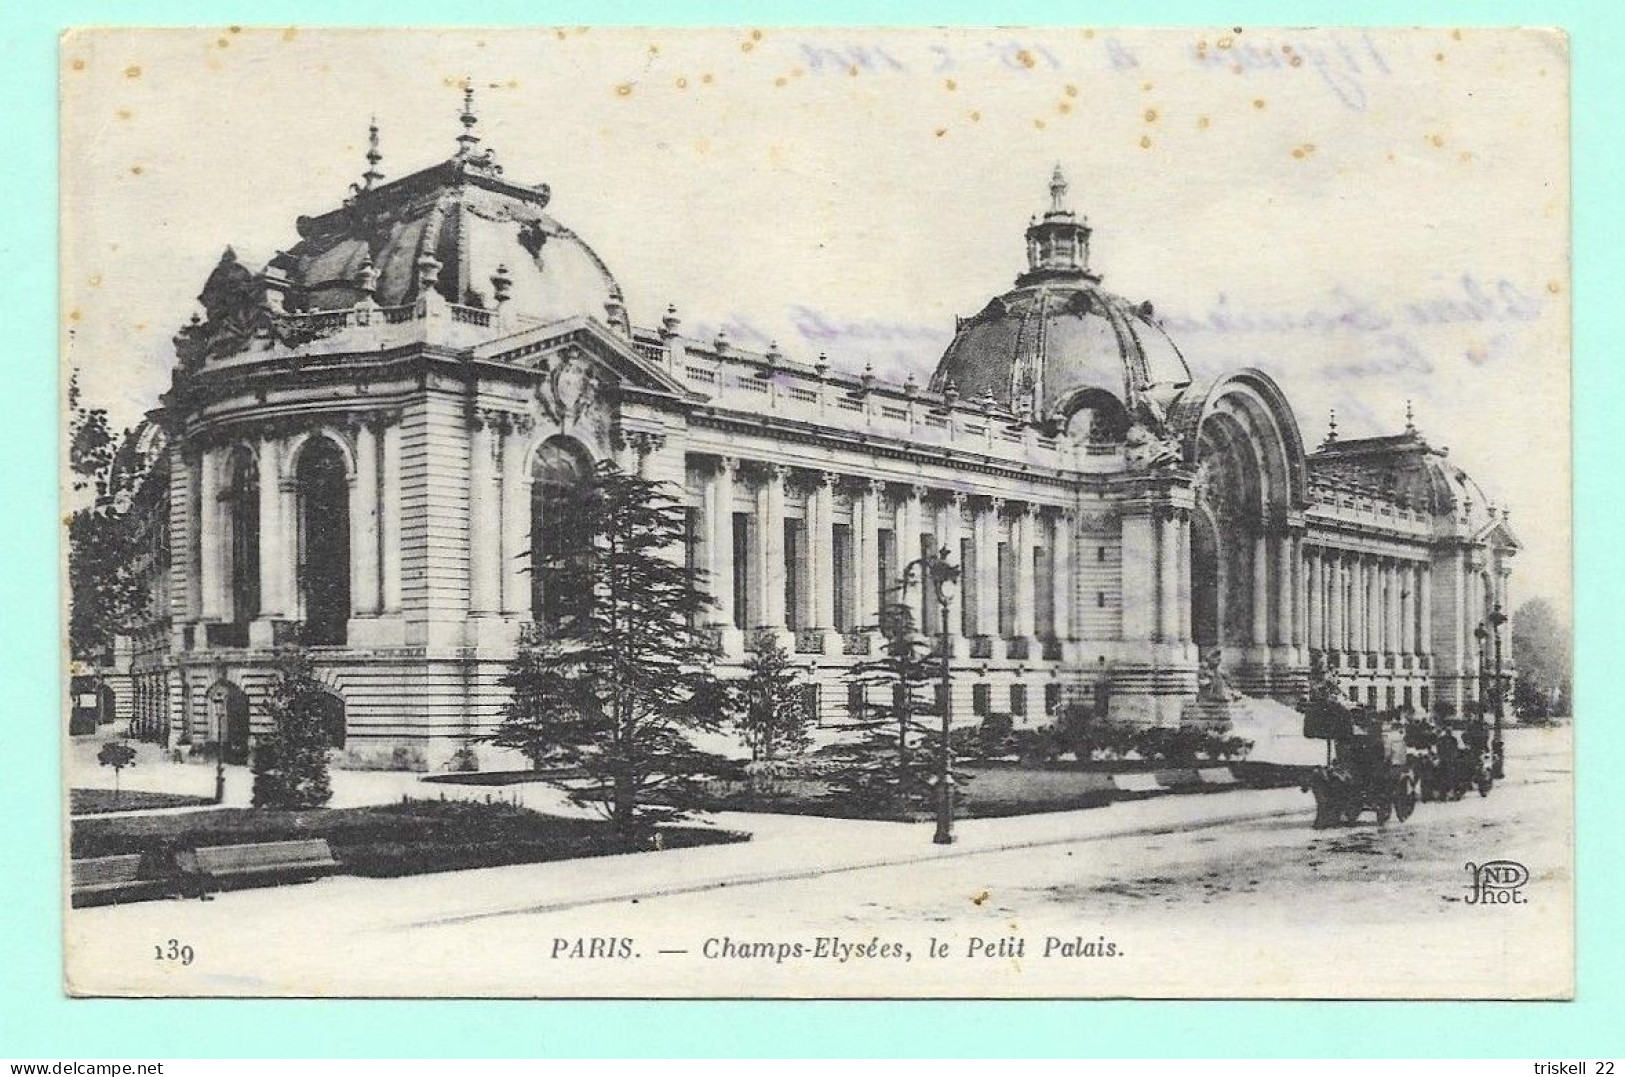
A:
[(768, 513)]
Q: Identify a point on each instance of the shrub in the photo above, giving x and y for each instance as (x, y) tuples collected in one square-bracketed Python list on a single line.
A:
[(994, 735), (463, 761)]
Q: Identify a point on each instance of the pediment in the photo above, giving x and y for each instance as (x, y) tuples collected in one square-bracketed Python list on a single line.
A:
[(612, 356)]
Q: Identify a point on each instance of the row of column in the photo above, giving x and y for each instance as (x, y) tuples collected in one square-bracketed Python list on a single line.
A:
[(916, 513), (374, 525), (1370, 603), (1157, 574)]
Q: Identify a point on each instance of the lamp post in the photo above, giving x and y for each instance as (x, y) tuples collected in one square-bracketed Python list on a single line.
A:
[(1482, 635), (943, 579), (1497, 746)]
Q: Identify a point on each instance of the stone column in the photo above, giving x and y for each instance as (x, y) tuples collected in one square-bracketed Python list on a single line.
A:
[(1357, 603), (1021, 543), (211, 537), (515, 569), (271, 529), (364, 524), (1061, 576), (950, 517), (821, 537), (1337, 597), (1261, 591), (293, 600), (866, 544), (1285, 590), (986, 537), (1316, 573), (1424, 601), (770, 565), (719, 539), (1168, 598), (484, 520), (1406, 575), (389, 517)]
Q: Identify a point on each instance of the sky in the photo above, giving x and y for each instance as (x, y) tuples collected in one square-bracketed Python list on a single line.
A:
[(1372, 217)]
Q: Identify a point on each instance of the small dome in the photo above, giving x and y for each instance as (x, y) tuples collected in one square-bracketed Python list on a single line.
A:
[(477, 228), (1058, 335)]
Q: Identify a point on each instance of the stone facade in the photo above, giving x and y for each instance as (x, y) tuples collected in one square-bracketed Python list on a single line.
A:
[(358, 436)]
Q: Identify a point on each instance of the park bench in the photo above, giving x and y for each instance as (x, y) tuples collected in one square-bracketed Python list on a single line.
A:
[(109, 878), (277, 860)]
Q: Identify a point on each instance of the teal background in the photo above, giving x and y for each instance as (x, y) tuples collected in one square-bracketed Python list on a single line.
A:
[(36, 1021)]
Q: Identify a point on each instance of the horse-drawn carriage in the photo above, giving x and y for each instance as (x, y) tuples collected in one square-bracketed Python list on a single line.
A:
[(1368, 767), (1450, 762)]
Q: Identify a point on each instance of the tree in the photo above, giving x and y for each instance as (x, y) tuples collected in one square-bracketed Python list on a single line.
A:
[(888, 763), (290, 762), (612, 691), (103, 593), (1542, 653), (118, 755), (770, 704)]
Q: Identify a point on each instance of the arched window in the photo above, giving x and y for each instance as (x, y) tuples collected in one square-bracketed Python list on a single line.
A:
[(243, 509), (559, 594), (324, 541)]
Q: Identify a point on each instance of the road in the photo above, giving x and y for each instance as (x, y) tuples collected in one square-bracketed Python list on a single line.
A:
[(1223, 895)]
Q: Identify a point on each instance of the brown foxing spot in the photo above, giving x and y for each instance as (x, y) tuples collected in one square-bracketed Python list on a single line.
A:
[(1438, 57), (1147, 87), (1258, 102), (708, 78), (77, 65), (1456, 34), (74, 315), (1554, 286), (654, 50), (746, 46), (853, 71), (1088, 35), (682, 83), (1040, 124), (95, 280), (124, 114), (133, 71), (136, 170), (1145, 142), (1225, 42), (980, 899), (941, 131), (949, 84), (1071, 90), (975, 116), (624, 90), (222, 43), (1436, 140), (1465, 156), (756, 35), (1203, 123), (1296, 61), (1150, 115), (290, 33), (1063, 107), (781, 81), (1026, 58)]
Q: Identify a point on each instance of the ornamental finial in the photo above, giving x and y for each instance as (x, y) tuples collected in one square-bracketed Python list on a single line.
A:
[(1410, 418), (1057, 190), (371, 176), (1331, 427), (468, 139)]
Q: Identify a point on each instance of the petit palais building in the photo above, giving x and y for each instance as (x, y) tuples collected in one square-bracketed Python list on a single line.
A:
[(365, 437)]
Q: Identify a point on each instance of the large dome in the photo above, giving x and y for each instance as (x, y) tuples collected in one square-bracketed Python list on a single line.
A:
[(1058, 335)]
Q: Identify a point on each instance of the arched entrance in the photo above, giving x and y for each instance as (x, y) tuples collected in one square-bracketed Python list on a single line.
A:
[(324, 541), (228, 717), (1250, 484), (1207, 581)]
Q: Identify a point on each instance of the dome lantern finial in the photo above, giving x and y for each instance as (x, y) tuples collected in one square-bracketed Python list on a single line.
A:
[(371, 176), (1410, 418), (1331, 427), (1057, 190), (1058, 242), (468, 139)]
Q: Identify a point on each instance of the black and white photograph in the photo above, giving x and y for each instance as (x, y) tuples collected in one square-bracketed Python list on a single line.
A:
[(776, 512)]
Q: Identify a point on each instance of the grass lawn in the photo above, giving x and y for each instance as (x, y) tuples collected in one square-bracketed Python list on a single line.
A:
[(409, 838), (98, 801)]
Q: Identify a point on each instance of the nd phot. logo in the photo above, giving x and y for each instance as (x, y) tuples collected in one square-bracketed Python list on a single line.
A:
[(1498, 882)]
